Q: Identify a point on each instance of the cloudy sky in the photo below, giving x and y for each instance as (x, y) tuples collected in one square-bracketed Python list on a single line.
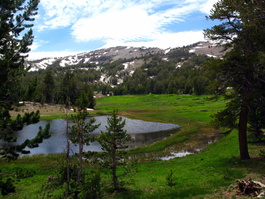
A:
[(65, 27)]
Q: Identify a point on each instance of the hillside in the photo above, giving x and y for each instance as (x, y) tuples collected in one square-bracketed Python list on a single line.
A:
[(120, 71), (100, 56), (109, 55)]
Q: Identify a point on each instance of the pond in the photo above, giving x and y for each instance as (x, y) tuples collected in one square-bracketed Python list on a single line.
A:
[(142, 133)]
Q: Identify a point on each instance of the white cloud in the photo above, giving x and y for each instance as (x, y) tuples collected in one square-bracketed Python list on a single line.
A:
[(207, 6), (163, 41), (129, 23), (34, 46), (121, 22), (37, 43), (63, 13)]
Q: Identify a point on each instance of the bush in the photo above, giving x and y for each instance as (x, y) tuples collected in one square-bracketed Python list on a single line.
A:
[(7, 186), (171, 181), (23, 172), (91, 187)]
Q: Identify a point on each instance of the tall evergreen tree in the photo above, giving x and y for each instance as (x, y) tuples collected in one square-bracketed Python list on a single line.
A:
[(48, 86), (16, 36), (113, 143), (80, 133), (242, 68), (69, 89)]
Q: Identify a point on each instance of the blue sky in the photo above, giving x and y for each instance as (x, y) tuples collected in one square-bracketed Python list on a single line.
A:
[(68, 27)]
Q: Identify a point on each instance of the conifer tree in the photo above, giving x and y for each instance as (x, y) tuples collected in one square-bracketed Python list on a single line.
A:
[(242, 30), (48, 86), (113, 143), (16, 36), (80, 133)]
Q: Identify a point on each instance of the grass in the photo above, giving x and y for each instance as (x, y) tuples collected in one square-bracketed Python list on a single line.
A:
[(202, 175)]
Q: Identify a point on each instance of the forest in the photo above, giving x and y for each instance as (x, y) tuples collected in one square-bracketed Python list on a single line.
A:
[(155, 75)]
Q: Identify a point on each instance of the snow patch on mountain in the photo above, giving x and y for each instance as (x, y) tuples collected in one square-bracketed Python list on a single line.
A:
[(109, 55)]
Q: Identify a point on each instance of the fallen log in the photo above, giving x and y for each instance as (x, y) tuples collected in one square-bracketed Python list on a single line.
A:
[(250, 188), (261, 195)]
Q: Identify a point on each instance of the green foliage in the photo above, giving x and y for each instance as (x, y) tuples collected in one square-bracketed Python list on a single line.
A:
[(21, 173), (7, 181), (81, 131), (88, 187), (61, 174), (114, 67), (227, 117), (91, 187), (242, 67), (7, 186), (69, 89), (48, 86), (113, 143), (16, 37), (86, 99), (171, 181), (15, 20)]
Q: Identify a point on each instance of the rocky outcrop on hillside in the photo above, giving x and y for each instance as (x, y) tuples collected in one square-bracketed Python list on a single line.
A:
[(208, 48)]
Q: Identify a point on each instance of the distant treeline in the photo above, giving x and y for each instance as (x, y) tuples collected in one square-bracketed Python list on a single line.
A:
[(180, 72)]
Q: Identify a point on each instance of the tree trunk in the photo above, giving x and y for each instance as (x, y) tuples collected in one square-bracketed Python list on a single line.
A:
[(80, 142), (67, 160), (114, 162), (242, 132)]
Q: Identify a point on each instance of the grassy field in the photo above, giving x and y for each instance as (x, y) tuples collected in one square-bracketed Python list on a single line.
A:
[(207, 174)]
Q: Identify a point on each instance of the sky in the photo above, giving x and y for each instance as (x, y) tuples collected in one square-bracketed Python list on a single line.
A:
[(69, 27)]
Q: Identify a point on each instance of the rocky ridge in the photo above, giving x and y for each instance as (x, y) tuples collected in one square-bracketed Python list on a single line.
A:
[(131, 56)]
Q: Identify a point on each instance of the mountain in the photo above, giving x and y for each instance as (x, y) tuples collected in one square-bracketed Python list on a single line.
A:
[(131, 55), (100, 56), (120, 70)]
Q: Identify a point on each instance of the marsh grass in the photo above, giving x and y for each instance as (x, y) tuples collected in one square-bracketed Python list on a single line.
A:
[(202, 175)]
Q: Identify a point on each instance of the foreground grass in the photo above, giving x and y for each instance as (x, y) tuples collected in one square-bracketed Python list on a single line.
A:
[(196, 176)]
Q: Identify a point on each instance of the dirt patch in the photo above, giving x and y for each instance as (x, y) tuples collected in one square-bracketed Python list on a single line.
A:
[(45, 109)]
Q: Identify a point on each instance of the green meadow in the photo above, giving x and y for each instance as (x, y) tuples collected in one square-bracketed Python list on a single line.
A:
[(207, 174)]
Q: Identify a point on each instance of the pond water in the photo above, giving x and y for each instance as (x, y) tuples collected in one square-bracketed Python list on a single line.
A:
[(142, 133)]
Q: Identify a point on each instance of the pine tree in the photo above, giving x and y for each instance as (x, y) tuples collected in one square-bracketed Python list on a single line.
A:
[(48, 86), (113, 143), (80, 133), (16, 36), (242, 68)]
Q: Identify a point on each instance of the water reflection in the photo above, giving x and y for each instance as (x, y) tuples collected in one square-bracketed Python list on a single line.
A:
[(142, 133)]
